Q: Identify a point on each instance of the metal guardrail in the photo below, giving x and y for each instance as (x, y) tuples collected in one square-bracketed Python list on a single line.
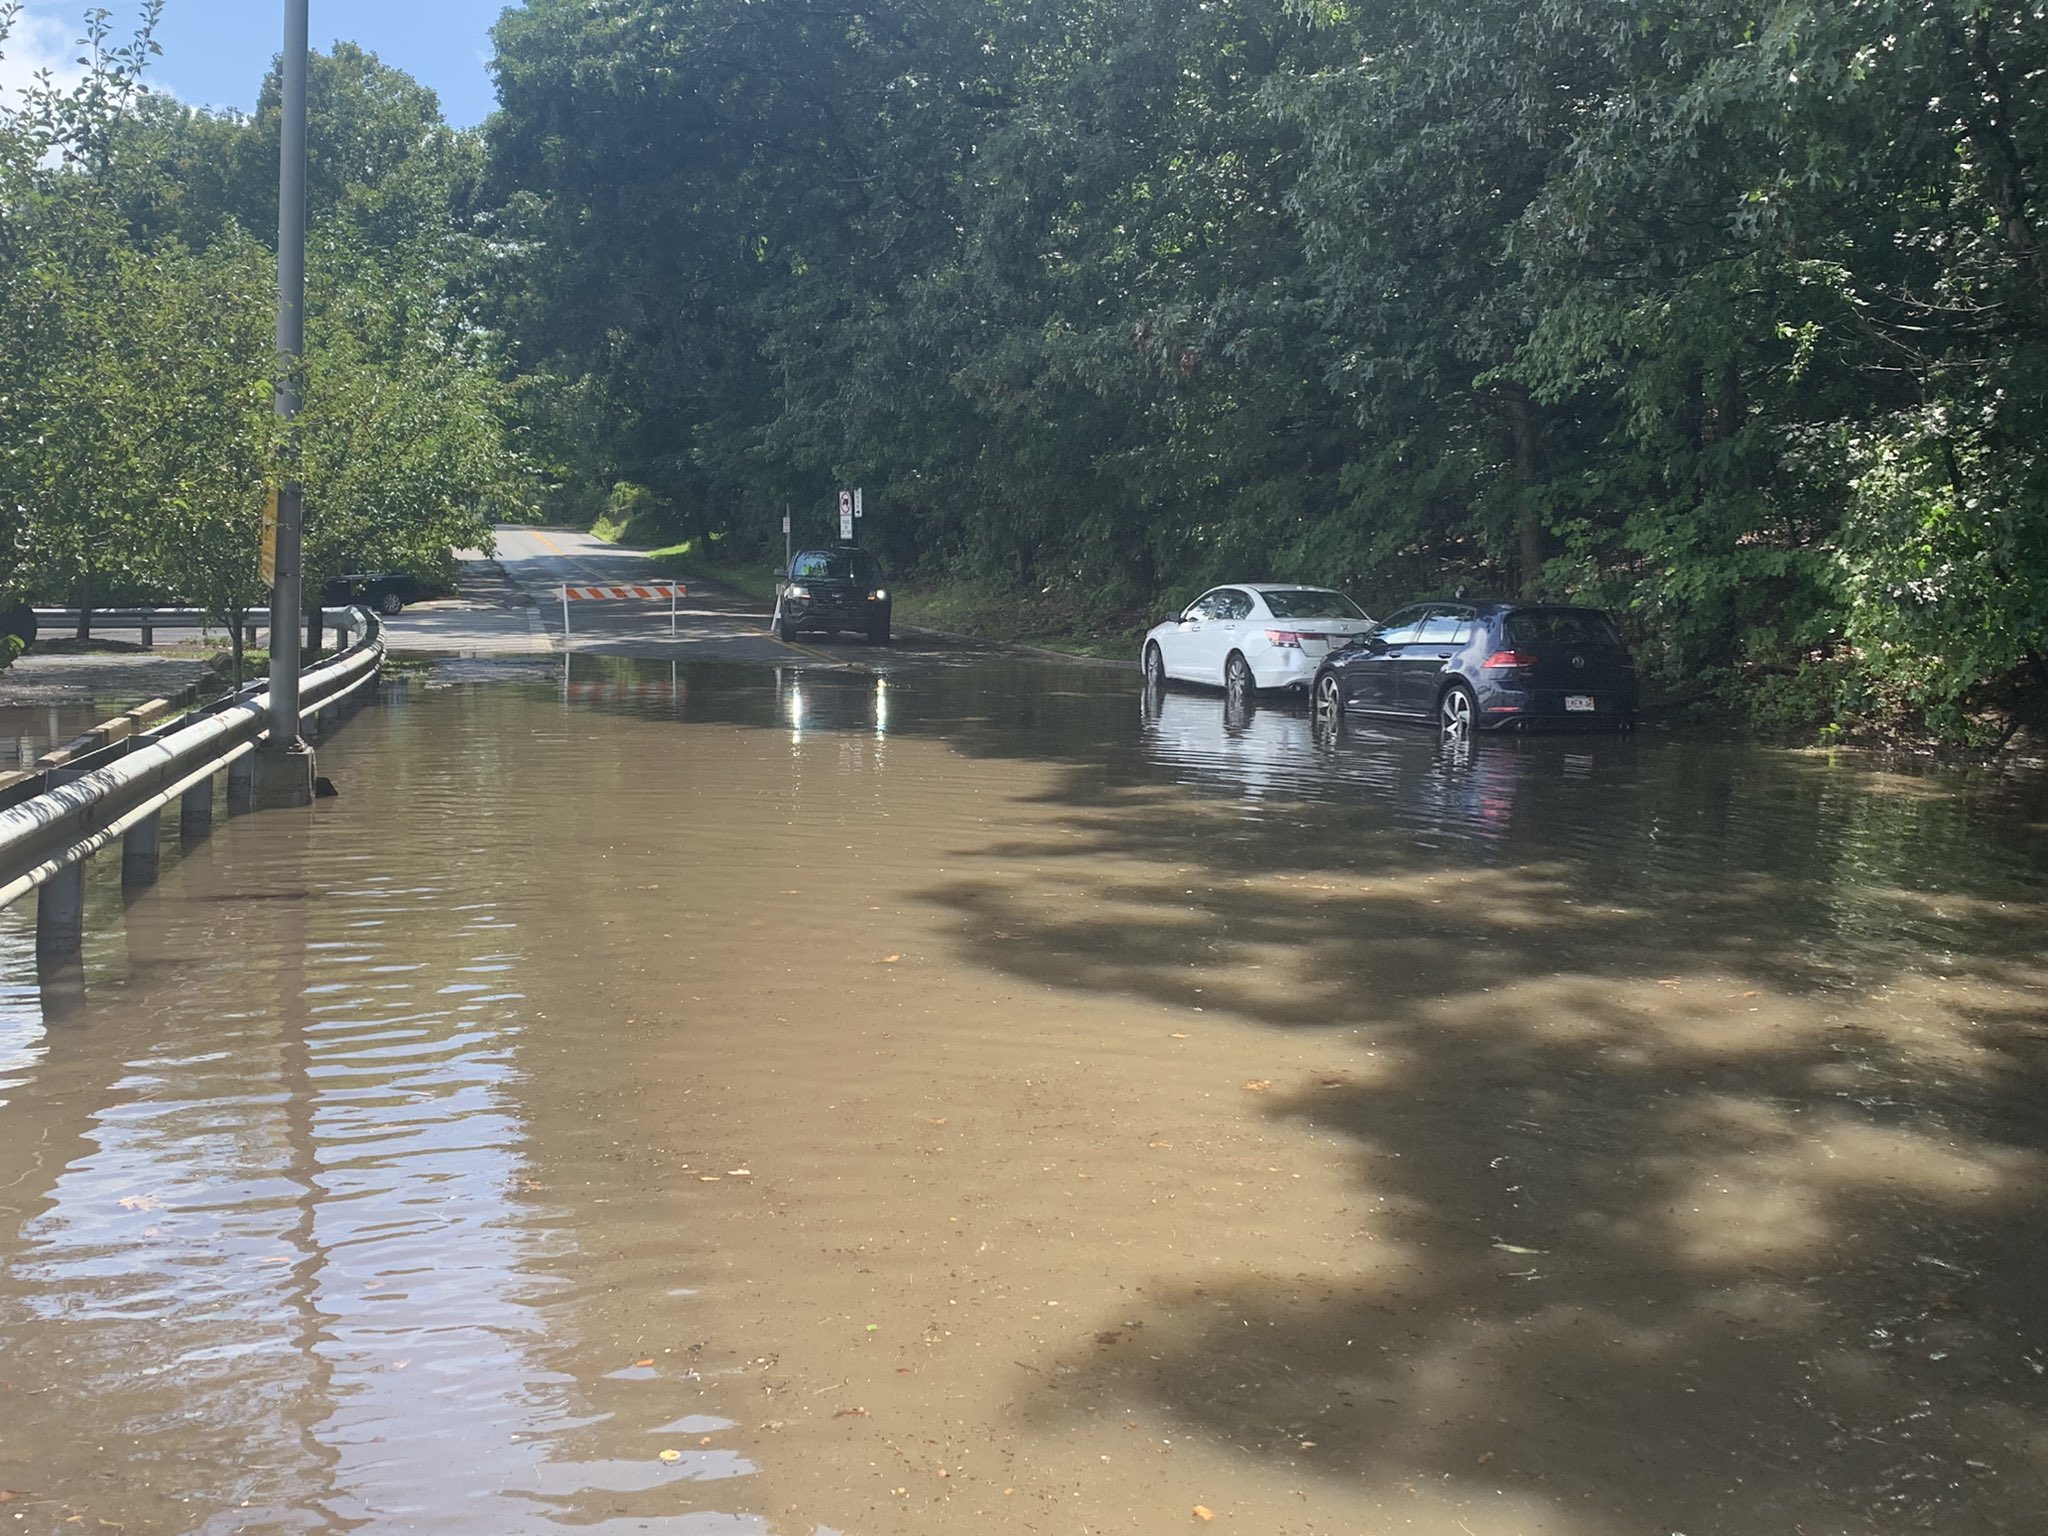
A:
[(88, 807), (50, 621)]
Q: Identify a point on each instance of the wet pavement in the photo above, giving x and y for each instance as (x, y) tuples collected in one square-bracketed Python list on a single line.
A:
[(932, 1092)]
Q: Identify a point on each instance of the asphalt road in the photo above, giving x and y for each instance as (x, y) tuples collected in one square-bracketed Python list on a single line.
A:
[(511, 605)]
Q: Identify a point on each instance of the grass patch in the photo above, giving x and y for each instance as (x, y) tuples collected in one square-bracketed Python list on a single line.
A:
[(1056, 621)]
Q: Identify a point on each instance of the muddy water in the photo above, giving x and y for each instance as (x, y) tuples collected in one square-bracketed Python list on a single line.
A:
[(708, 1101)]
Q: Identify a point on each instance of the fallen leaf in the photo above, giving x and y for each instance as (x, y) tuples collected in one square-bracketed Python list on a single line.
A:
[(9, 1495), (1177, 1035), (1257, 1085), (1752, 994), (1667, 981), (707, 1178), (1517, 1248), (1159, 1144), (671, 1455), (1204, 1512), (740, 1173), (936, 1120), (643, 1362), (890, 959), (851, 1413)]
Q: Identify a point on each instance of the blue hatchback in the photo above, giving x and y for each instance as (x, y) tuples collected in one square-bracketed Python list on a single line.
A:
[(1480, 666)]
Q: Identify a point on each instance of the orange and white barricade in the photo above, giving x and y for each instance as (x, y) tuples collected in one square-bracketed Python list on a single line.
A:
[(639, 591)]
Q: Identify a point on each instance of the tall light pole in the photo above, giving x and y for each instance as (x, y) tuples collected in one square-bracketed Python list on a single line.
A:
[(284, 774)]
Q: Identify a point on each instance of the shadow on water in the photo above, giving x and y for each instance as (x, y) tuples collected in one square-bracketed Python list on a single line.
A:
[(1687, 1099), (1693, 1094), (1694, 1098)]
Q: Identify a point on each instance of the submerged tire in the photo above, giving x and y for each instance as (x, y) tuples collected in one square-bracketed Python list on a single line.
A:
[(1457, 711)]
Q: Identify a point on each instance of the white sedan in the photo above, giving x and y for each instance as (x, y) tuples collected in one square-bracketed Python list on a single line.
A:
[(1255, 634)]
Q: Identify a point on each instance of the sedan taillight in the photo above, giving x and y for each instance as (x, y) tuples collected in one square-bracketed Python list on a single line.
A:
[(1289, 639), (1501, 660)]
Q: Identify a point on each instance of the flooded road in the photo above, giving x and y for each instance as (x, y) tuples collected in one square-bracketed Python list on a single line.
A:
[(728, 1099)]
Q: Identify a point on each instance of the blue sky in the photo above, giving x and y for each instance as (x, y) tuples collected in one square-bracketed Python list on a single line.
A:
[(216, 51)]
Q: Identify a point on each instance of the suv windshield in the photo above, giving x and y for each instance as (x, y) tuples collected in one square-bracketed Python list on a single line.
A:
[(1311, 603), (818, 565), (1563, 626)]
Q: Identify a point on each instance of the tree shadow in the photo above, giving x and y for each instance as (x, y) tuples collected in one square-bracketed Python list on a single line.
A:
[(1700, 1151)]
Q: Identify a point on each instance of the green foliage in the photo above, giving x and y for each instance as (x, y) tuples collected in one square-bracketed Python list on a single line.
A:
[(137, 364)]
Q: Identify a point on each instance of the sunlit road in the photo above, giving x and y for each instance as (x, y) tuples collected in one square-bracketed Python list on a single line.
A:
[(709, 624)]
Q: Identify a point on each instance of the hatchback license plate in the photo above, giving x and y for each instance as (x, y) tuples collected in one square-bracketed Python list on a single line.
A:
[(1578, 703)]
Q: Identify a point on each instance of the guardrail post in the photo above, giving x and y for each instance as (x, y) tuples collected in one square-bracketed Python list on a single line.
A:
[(148, 635), (60, 911), (195, 812), (242, 784), (141, 847)]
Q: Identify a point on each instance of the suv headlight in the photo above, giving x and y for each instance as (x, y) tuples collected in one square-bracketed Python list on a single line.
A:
[(796, 591), (879, 595)]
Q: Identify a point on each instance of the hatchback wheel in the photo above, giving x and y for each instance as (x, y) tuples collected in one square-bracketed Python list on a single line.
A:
[(1155, 667), (1237, 674), (390, 602), (1457, 710)]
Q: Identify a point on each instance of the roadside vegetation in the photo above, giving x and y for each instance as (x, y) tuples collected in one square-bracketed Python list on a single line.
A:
[(137, 338), (1727, 319)]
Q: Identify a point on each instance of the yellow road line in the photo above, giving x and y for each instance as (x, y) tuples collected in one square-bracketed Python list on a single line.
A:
[(551, 544), (769, 634)]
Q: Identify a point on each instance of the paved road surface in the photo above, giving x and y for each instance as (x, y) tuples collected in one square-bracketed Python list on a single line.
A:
[(512, 606)]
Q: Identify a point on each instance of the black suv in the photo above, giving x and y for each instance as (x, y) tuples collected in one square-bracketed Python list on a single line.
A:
[(386, 591), (833, 589)]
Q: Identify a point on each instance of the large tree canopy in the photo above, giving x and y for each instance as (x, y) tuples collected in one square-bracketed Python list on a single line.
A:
[(1727, 316), (137, 360)]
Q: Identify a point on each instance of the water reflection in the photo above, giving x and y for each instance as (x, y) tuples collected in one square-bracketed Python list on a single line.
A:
[(980, 1098), (275, 1240), (1460, 790)]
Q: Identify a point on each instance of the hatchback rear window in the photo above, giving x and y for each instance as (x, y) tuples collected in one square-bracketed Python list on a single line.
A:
[(1311, 603), (1561, 626)]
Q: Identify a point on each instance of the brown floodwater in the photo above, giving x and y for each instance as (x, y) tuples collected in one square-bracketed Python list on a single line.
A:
[(707, 1101)]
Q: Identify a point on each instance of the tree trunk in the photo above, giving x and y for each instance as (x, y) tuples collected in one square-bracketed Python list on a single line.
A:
[(1987, 118), (1529, 536)]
